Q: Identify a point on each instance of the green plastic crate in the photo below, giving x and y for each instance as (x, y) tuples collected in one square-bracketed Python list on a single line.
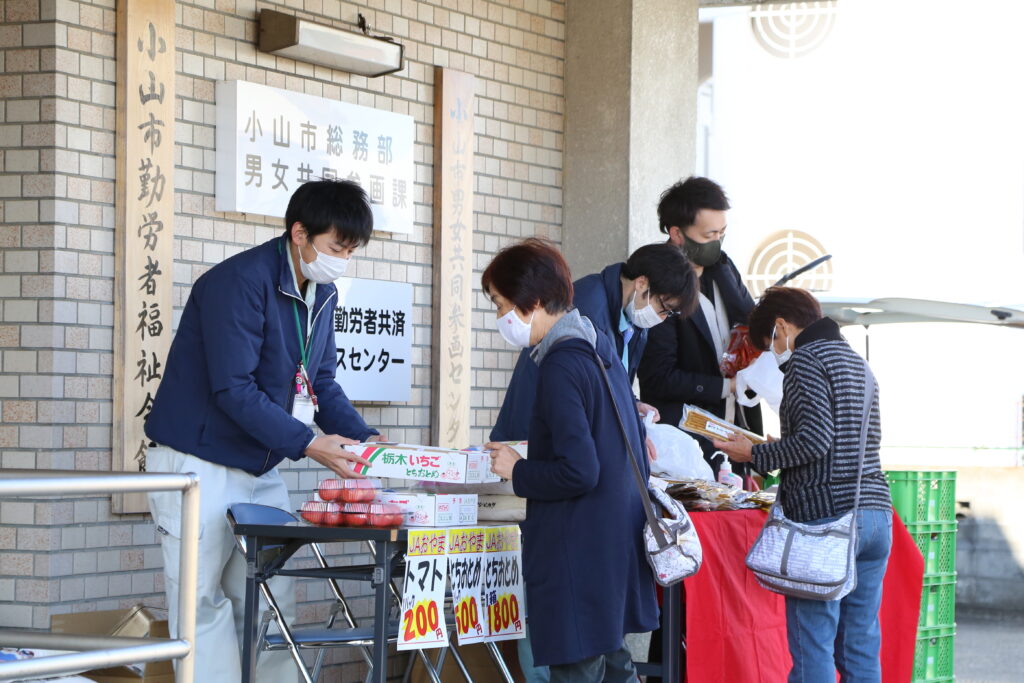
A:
[(933, 654), (937, 543), (923, 496), (938, 600)]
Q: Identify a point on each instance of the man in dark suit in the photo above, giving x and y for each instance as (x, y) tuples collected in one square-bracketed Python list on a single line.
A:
[(681, 362)]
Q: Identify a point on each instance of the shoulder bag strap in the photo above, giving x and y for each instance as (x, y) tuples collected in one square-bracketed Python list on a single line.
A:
[(869, 394), (652, 521)]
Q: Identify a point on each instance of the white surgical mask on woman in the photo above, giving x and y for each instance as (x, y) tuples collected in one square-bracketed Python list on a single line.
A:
[(324, 268), (781, 358), (646, 317), (513, 330)]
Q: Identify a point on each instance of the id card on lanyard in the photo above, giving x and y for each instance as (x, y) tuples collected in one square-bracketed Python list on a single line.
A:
[(304, 405)]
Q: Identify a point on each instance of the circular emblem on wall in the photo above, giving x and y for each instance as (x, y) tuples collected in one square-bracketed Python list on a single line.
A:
[(793, 29), (782, 253)]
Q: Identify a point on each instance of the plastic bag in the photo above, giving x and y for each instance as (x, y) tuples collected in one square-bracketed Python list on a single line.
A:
[(740, 353), (679, 454)]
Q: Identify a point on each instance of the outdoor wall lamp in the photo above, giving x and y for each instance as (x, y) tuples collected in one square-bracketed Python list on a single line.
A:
[(359, 53)]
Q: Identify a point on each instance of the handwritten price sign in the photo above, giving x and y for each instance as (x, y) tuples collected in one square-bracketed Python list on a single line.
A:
[(465, 569), (423, 622), (503, 583)]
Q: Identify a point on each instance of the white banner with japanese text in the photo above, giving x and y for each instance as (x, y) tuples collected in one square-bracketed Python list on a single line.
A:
[(270, 141)]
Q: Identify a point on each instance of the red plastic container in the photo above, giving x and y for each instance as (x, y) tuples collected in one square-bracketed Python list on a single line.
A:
[(382, 515), (349, 490), (322, 513)]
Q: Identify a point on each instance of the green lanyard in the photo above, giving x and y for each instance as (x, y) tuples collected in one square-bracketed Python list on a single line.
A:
[(302, 339)]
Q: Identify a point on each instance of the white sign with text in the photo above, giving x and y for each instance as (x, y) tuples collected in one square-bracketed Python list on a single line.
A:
[(270, 141), (373, 338)]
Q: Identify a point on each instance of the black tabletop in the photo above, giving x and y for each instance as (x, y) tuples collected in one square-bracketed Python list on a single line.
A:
[(321, 534)]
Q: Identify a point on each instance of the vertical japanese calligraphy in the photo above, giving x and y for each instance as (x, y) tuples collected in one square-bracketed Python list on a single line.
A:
[(454, 104), (145, 218)]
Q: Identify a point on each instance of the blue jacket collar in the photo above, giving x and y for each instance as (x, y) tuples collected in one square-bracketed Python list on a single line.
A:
[(286, 279)]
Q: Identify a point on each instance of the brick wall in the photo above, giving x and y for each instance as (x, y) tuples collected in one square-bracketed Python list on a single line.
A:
[(57, 235)]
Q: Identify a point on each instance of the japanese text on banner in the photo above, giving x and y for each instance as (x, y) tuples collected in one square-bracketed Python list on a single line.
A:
[(423, 624), (465, 568), (503, 583)]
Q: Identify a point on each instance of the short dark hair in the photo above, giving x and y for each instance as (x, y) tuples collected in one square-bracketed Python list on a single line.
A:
[(794, 305), (529, 273), (325, 205), (680, 203), (669, 271)]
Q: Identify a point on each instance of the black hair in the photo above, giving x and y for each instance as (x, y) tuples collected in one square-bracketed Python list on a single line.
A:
[(795, 306), (325, 205), (669, 271), (680, 203)]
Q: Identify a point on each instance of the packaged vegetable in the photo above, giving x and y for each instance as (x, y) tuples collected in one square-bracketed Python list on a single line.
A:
[(349, 490), (372, 514)]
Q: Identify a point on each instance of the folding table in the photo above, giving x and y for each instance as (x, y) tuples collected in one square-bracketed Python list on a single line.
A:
[(269, 546)]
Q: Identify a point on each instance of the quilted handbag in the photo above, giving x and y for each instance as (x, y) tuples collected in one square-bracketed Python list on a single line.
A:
[(673, 548), (814, 562)]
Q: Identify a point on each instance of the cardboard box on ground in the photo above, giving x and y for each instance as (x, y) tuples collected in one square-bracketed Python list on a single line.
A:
[(135, 622)]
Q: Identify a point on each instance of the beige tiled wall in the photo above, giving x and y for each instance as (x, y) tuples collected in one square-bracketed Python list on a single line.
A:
[(57, 60)]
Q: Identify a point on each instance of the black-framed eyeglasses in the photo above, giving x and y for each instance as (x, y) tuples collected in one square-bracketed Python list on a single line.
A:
[(665, 310)]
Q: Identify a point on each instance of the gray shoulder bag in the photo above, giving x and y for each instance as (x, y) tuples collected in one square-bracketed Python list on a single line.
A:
[(814, 562), (673, 549)]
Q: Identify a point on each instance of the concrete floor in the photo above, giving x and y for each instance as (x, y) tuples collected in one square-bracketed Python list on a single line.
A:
[(989, 647)]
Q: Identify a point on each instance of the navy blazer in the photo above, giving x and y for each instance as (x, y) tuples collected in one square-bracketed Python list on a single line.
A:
[(599, 298), (680, 364), (229, 382), (586, 575)]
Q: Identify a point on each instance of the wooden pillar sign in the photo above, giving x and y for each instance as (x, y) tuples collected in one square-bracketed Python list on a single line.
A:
[(454, 101), (143, 251)]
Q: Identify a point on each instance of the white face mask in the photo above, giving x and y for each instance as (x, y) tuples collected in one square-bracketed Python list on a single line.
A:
[(513, 330), (783, 357), (324, 268), (646, 317)]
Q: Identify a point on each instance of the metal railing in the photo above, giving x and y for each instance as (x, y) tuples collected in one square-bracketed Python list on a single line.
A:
[(96, 652)]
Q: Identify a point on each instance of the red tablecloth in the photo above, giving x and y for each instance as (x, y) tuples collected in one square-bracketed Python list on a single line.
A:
[(736, 630)]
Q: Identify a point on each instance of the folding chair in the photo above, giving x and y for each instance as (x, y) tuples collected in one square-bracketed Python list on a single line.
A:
[(311, 637)]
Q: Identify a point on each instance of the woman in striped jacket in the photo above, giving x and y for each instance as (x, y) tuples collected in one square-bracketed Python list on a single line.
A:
[(821, 417)]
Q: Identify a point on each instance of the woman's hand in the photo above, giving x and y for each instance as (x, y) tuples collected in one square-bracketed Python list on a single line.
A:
[(738, 448), (645, 408), (503, 459)]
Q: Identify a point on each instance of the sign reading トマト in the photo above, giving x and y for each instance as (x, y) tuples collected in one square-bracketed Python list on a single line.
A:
[(270, 141), (423, 622), (373, 339)]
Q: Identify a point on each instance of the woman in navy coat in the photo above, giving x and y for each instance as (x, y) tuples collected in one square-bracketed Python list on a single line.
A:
[(587, 579)]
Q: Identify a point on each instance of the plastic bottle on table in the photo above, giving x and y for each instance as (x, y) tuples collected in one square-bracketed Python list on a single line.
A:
[(726, 475)]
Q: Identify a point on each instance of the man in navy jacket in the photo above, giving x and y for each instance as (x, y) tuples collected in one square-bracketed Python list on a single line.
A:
[(657, 277), (251, 368)]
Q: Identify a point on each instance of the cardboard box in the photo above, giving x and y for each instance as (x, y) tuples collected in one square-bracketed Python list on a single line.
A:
[(136, 622), (405, 461), (434, 509), (478, 463)]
